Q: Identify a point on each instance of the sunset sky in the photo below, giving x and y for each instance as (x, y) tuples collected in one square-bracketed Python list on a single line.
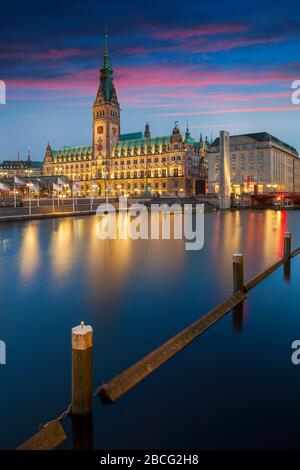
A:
[(219, 65)]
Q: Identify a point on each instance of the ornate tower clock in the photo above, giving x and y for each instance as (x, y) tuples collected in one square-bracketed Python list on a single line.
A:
[(106, 113)]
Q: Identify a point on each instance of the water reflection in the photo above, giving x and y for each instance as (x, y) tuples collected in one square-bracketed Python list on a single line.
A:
[(5, 245), (73, 243), (63, 246), (136, 295), (29, 255), (118, 260), (82, 432), (238, 317), (287, 270), (113, 256), (257, 234)]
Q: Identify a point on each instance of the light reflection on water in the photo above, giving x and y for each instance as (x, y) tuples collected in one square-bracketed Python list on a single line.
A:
[(136, 294), (29, 253), (74, 241)]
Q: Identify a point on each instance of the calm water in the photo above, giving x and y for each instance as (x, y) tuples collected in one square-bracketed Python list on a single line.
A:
[(234, 387)]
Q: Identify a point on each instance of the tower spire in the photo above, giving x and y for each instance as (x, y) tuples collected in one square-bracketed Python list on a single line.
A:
[(187, 132), (106, 57), (106, 111), (147, 131)]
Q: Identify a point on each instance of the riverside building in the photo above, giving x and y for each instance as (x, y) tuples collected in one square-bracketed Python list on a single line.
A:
[(259, 163), (133, 164)]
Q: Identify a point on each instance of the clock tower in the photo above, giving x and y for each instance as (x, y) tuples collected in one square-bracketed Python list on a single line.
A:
[(106, 112)]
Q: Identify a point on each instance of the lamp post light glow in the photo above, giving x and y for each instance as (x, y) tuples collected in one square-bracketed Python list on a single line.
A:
[(29, 185)]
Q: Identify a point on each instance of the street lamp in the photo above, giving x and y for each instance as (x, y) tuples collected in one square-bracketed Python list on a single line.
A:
[(29, 185)]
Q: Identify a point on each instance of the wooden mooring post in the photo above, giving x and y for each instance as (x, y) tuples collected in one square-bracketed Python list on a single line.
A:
[(238, 272), (82, 432), (82, 381), (287, 244)]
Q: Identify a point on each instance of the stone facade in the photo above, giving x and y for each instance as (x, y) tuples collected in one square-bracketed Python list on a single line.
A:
[(259, 163), (297, 175)]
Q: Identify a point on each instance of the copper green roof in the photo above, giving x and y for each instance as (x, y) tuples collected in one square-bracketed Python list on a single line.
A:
[(132, 136), (131, 140), (35, 164), (142, 142), (189, 140), (137, 139), (72, 151)]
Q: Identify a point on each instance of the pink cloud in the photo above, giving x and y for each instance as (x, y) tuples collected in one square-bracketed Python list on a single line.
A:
[(55, 54), (227, 44), (155, 77), (201, 30), (201, 38), (174, 76), (257, 109), (203, 45), (237, 97), (204, 95), (23, 53), (159, 86)]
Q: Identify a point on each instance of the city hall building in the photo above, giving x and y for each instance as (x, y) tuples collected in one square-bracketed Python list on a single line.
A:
[(259, 163), (131, 164)]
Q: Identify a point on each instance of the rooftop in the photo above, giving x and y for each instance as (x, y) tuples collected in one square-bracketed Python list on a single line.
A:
[(260, 137), (134, 139), (21, 164), (66, 151)]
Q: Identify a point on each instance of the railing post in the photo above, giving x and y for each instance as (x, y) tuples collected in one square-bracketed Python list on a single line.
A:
[(82, 382), (287, 244), (238, 272)]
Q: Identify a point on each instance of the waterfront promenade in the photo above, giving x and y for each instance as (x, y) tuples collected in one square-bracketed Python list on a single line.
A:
[(45, 209)]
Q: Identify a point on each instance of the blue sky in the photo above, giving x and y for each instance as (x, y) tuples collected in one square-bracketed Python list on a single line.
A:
[(219, 65)]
